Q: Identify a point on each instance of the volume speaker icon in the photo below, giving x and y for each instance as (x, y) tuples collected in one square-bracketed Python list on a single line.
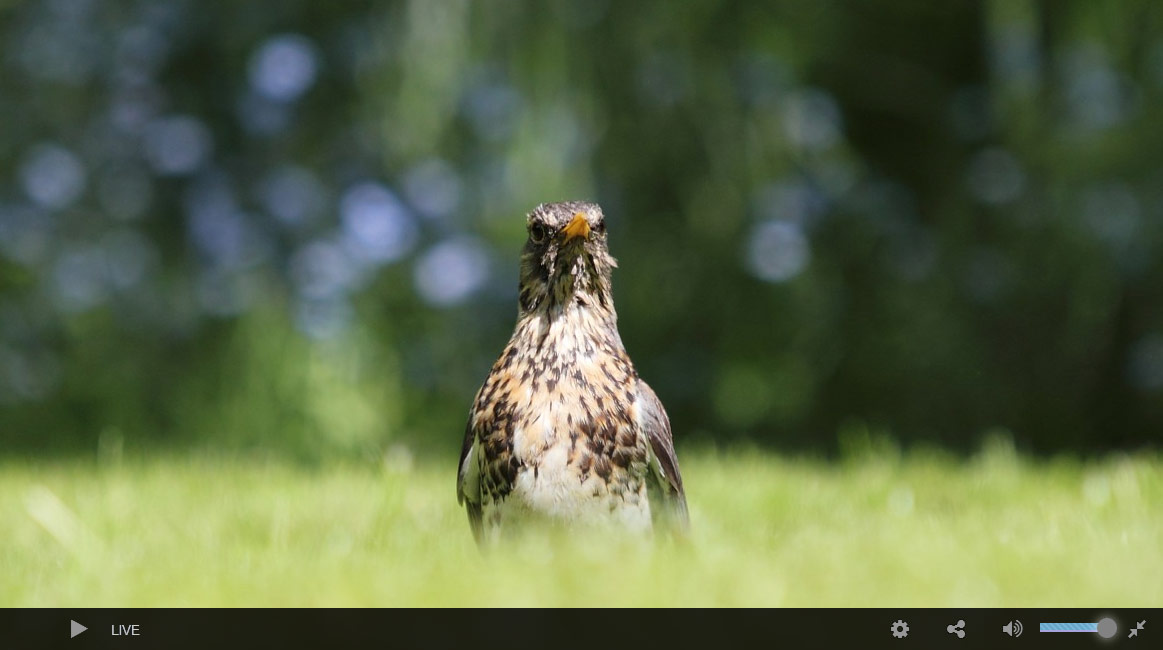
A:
[(1013, 628)]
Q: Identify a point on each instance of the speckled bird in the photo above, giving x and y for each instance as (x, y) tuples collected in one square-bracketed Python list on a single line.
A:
[(563, 429)]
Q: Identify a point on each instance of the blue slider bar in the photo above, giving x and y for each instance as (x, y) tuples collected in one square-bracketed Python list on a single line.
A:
[(1068, 627)]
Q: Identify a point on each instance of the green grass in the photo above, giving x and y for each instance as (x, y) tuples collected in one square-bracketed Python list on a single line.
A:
[(922, 530)]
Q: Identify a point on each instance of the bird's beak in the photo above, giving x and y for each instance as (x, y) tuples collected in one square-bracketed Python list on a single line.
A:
[(579, 227)]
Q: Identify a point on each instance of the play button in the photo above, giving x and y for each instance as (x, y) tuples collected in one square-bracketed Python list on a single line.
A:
[(75, 628)]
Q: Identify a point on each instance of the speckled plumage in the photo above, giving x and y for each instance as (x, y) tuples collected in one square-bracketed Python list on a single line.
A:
[(563, 428)]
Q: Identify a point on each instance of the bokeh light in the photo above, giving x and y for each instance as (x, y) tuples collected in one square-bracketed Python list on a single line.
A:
[(176, 145), (778, 251), (433, 188), (812, 119), (79, 278), (52, 176), (283, 67), (377, 228), (451, 271), (322, 270)]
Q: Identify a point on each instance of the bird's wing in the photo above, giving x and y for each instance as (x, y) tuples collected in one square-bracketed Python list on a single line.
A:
[(665, 482), (468, 480)]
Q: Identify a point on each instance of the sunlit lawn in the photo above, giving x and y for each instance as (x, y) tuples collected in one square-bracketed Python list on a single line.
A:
[(993, 530)]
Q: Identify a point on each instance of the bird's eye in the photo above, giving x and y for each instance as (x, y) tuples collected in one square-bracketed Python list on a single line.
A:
[(601, 227), (538, 232)]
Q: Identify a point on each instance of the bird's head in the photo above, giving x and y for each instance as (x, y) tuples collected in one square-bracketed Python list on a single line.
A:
[(565, 260)]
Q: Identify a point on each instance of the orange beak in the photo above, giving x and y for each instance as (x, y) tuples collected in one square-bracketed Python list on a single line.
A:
[(579, 227)]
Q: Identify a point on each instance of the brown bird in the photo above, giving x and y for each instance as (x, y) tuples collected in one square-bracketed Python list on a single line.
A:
[(563, 429)]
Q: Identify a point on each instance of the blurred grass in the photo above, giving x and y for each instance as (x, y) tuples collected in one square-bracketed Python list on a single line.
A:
[(877, 530)]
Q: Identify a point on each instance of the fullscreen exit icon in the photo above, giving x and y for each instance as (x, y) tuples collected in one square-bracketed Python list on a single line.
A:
[(1138, 626)]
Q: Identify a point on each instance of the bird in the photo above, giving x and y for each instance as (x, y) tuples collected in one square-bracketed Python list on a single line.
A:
[(563, 430)]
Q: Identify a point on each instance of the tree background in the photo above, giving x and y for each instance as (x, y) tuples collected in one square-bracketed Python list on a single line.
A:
[(293, 227)]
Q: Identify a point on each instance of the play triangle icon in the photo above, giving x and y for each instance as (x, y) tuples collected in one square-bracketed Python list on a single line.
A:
[(75, 628)]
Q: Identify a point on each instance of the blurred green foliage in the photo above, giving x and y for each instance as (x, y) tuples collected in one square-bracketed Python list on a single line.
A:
[(294, 226)]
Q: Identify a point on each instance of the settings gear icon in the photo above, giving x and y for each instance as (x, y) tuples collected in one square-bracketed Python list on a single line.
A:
[(900, 629)]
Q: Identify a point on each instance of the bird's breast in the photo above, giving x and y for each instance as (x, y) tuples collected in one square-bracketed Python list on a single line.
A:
[(568, 415)]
